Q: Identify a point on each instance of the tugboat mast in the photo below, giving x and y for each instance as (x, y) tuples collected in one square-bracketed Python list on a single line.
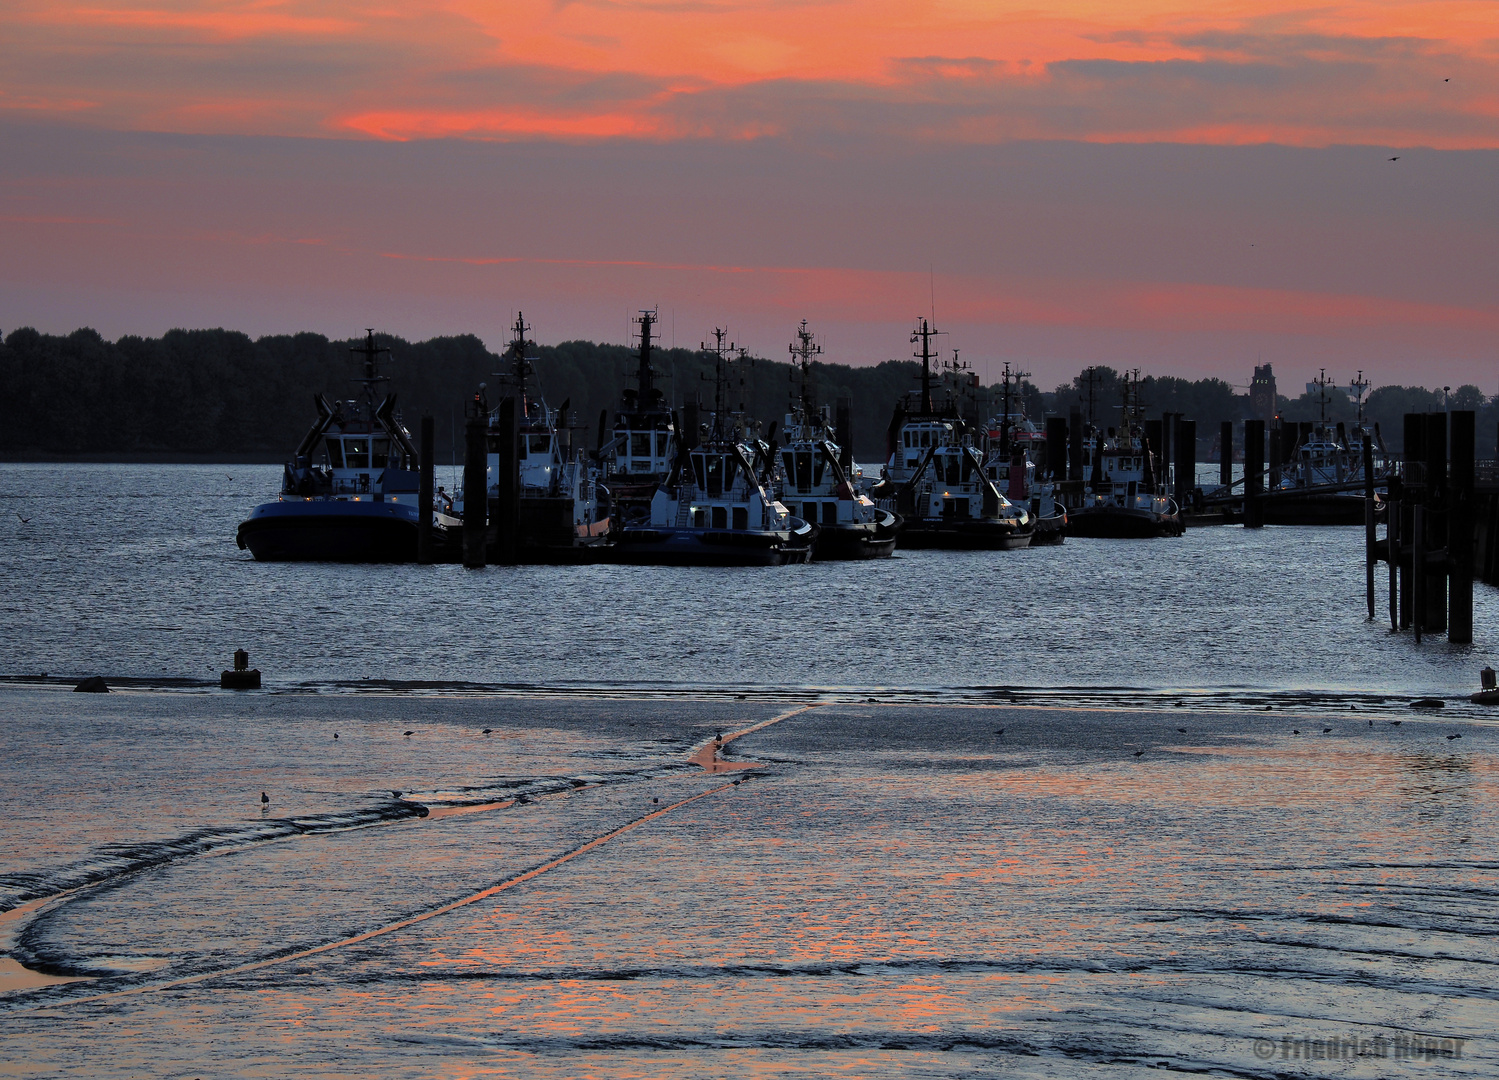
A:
[(720, 378), (372, 377), (1004, 420), (803, 350), (645, 374), (924, 334), (520, 363)]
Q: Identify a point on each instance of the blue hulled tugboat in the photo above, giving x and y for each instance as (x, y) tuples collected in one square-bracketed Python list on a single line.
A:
[(713, 508), (936, 478), (814, 476), (349, 494)]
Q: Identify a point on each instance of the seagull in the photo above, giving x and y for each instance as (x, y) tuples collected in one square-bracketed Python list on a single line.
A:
[(1139, 753), (264, 799), (1395, 158), (1451, 737), (24, 521), (408, 733), (1446, 80), (1295, 731), (1395, 722)]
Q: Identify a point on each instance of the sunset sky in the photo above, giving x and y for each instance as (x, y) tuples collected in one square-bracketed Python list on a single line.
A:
[(1183, 188)]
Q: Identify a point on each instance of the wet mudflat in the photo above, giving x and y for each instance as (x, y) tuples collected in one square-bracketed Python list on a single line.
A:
[(889, 891)]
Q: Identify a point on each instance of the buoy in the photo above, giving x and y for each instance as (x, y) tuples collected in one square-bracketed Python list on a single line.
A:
[(243, 677)]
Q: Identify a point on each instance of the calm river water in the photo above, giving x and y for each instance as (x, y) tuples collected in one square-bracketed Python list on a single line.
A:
[(129, 570)]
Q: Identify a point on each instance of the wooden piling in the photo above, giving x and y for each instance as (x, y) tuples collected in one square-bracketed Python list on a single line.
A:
[(844, 430), (1434, 536), (507, 485), (1277, 441), (1254, 473), (1056, 448), (1460, 529), (1186, 461), (475, 493), (1417, 574), (1075, 444), (424, 496), (1369, 523), (1392, 546), (1226, 453)]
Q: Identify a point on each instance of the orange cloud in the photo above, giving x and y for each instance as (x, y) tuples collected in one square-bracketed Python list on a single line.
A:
[(1247, 71)]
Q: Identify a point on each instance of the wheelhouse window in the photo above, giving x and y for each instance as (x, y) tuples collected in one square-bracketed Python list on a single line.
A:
[(640, 444), (804, 470), (356, 453), (381, 453), (540, 444), (335, 449), (661, 438)]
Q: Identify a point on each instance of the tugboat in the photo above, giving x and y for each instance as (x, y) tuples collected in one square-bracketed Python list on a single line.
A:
[(814, 478), (1322, 463), (936, 480), (349, 494), (1014, 445), (563, 508), (714, 509), (1126, 494), (641, 450)]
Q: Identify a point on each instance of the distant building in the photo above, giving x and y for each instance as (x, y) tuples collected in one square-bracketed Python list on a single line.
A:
[(1262, 393)]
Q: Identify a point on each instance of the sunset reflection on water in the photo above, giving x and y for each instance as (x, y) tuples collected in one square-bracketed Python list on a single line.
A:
[(885, 891)]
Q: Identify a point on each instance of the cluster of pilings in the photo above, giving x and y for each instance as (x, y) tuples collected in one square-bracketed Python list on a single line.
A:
[(1430, 541)]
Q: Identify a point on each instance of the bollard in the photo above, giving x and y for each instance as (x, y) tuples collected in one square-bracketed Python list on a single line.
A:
[(243, 677)]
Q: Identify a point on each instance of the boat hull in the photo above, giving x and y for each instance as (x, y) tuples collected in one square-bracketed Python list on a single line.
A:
[(1122, 523), (867, 540), (1050, 531), (330, 531), (966, 535), (653, 546)]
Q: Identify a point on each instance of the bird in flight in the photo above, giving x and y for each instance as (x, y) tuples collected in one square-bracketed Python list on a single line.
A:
[(1395, 158), (408, 733), (24, 520)]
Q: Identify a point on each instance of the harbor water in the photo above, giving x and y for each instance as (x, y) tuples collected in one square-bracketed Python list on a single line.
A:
[(1108, 808), (132, 571)]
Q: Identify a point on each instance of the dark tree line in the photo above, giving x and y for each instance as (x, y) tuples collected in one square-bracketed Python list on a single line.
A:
[(207, 392)]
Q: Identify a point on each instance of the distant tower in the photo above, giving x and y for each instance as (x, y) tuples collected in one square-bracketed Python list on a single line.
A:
[(1262, 393)]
